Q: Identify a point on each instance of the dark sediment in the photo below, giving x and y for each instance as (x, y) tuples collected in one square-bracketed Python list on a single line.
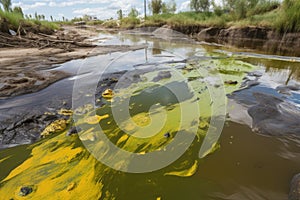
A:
[(295, 188)]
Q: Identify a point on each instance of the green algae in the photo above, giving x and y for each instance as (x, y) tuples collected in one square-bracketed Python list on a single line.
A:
[(60, 162)]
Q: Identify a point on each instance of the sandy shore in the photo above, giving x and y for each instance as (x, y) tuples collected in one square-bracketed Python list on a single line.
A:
[(25, 70)]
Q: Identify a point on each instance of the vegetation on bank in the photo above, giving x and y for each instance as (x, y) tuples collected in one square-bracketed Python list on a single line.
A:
[(283, 17), (14, 19)]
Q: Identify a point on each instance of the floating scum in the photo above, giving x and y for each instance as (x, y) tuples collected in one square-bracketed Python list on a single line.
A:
[(167, 125)]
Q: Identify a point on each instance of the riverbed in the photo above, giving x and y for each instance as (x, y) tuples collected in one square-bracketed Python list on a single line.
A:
[(242, 107)]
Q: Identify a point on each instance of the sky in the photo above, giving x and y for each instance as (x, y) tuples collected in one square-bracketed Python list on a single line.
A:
[(102, 9)]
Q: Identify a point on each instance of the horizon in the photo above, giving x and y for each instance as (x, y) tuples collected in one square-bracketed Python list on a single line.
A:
[(102, 9)]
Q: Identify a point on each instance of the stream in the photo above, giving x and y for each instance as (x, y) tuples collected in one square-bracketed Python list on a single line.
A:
[(216, 122)]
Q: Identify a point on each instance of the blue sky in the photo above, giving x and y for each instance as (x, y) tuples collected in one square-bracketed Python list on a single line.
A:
[(103, 9)]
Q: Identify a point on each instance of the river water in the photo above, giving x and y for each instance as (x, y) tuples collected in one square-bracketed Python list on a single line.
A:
[(244, 163)]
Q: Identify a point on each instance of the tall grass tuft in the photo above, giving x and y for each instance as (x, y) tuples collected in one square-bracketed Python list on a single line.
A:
[(289, 18)]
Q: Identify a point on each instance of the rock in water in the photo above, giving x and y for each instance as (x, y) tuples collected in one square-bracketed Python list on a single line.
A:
[(54, 127), (24, 191), (295, 188), (274, 116)]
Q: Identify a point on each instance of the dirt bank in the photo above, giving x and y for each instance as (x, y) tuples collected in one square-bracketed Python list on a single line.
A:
[(26, 67), (259, 38)]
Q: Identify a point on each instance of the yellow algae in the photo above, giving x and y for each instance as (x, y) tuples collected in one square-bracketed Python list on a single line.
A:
[(67, 172), (84, 109), (214, 147), (122, 139), (88, 135), (55, 127), (184, 173), (129, 127), (108, 94), (71, 186), (95, 119), (65, 112), (141, 119), (4, 159), (142, 153)]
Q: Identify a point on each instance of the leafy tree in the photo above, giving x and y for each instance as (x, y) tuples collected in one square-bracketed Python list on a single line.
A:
[(200, 5), (156, 6), (120, 14), (18, 10), (169, 7), (241, 9), (6, 5), (133, 13)]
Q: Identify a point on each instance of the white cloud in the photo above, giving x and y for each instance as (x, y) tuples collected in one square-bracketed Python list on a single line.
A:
[(29, 6), (185, 6)]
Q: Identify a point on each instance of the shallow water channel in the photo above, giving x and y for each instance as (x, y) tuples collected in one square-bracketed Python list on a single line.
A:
[(171, 100)]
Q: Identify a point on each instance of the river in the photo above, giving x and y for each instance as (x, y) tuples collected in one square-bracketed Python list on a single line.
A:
[(179, 94)]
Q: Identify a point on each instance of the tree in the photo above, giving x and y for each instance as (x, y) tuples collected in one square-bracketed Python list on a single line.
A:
[(169, 7), (241, 9), (156, 6), (6, 5), (133, 13), (18, 10), (120, 14), (200, 5)]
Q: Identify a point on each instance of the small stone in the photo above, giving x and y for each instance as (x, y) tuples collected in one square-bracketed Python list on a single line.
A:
[(26, 190), (108, 94), (294, 193), (73, 130), (167, 135), (54, 127), (230, 82)]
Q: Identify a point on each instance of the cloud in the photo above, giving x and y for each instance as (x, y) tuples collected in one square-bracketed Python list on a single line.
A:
[(29, 6), (101, 8), (185, 6)]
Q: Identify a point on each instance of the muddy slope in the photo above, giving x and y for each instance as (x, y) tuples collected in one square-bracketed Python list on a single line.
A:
[(259, 38)]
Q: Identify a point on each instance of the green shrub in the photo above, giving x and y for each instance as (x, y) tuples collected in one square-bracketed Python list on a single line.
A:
[(263, 7), (129, 22)]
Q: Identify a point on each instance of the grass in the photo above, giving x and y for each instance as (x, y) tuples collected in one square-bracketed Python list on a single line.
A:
[(289, 18), (261, 20), (129, 22), (14, 20), (186, 19), (284, 17)]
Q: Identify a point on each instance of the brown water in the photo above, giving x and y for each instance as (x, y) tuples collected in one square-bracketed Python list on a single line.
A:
[(246, 166)]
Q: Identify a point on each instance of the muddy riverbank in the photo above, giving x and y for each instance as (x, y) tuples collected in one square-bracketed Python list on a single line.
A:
[(25, 70), (261, 39)]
